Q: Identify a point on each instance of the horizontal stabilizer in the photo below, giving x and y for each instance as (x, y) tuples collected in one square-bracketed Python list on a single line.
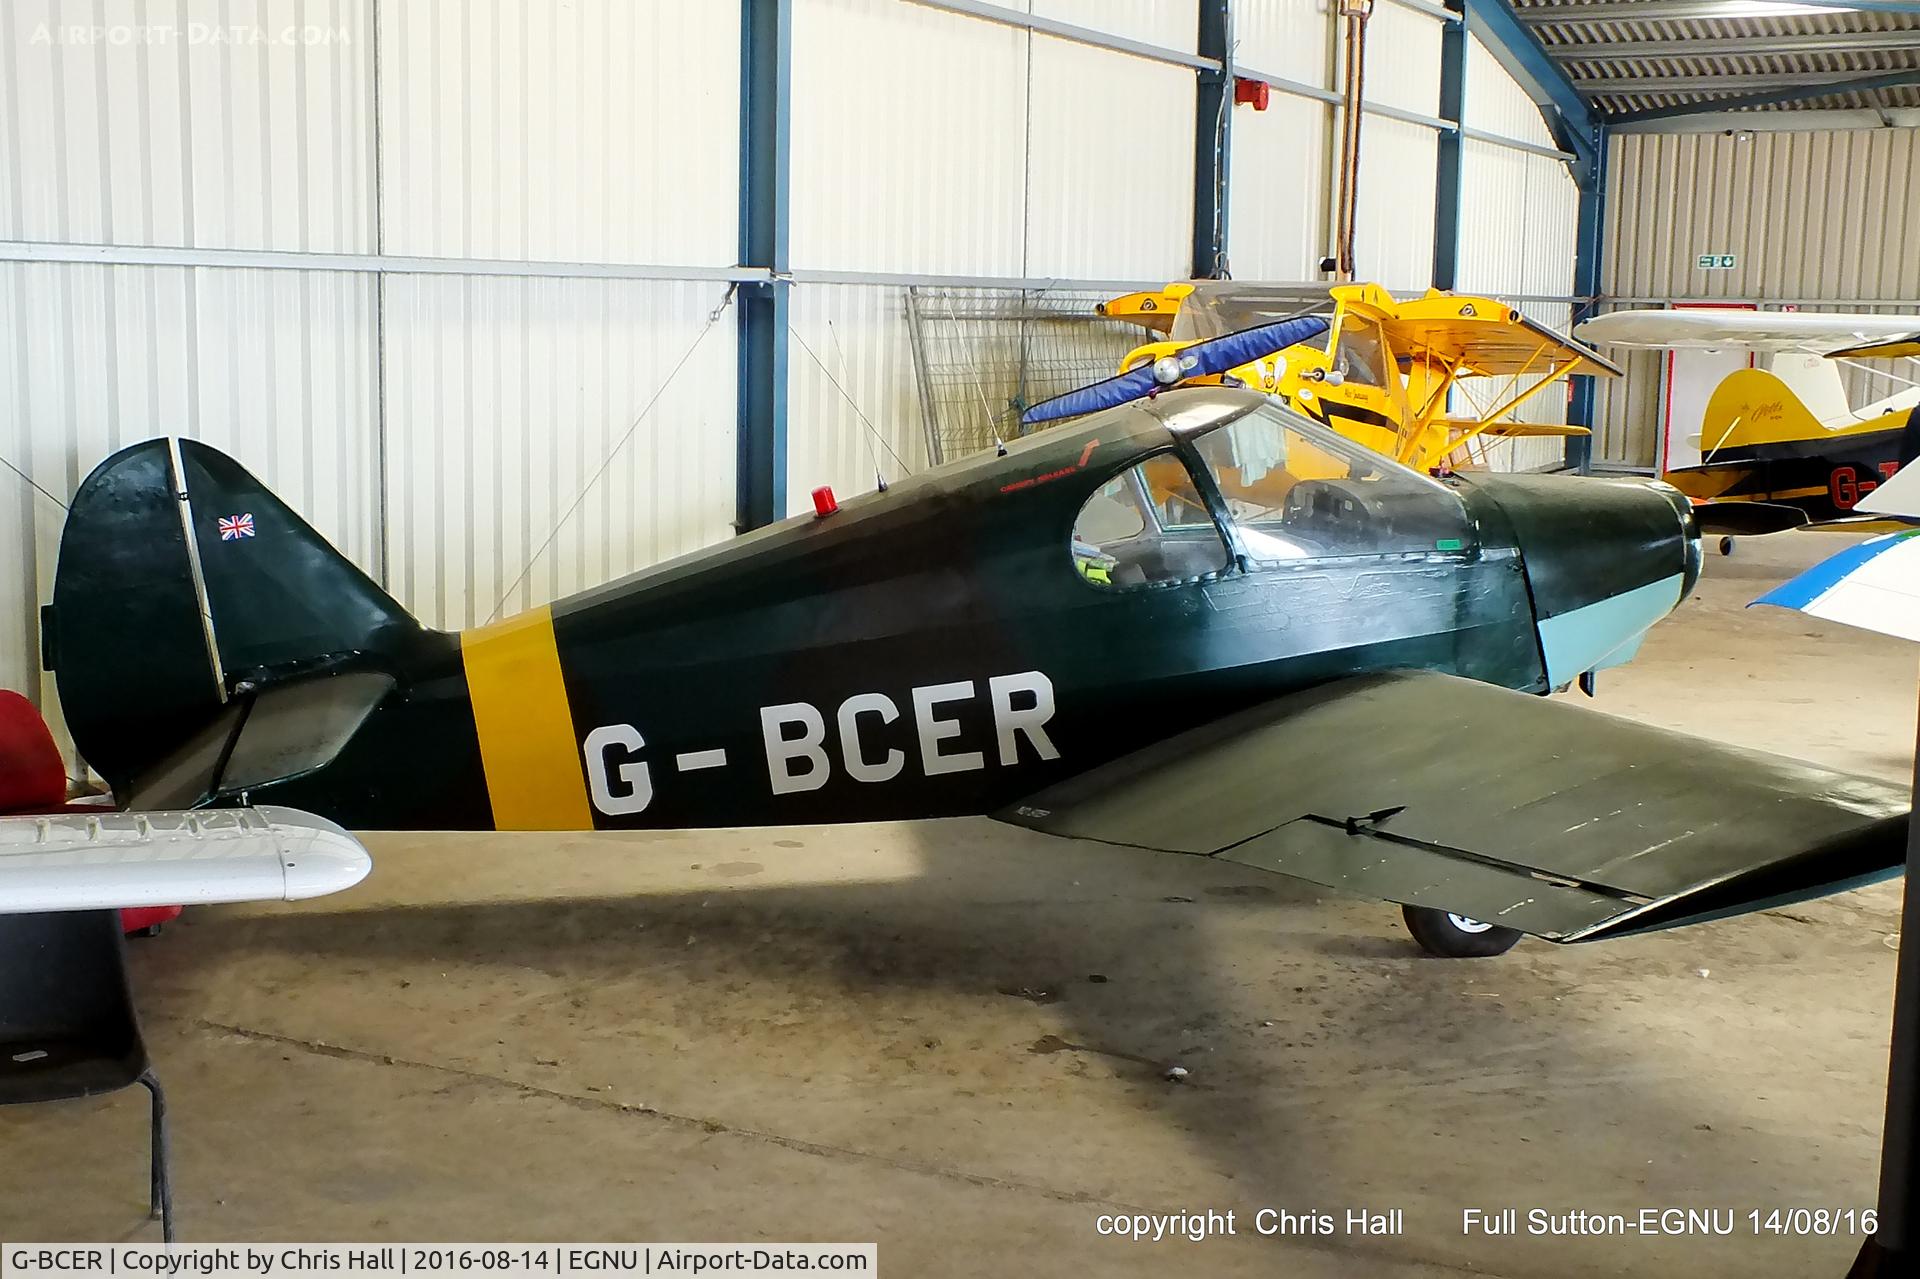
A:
[(1523, 811), (1746, 519), (82, 861)]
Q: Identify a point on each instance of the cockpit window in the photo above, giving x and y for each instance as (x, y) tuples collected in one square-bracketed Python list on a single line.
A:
[(1299, 492), (1146, 527), (1359, 355)]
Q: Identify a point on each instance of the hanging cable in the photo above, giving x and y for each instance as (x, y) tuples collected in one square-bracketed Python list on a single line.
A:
[(34, 483), (713, 317)]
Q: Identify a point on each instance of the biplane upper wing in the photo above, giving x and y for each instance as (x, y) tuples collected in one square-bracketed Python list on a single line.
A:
[(1487, 342), (1714, 328), (1154, 309), (1431, 790)]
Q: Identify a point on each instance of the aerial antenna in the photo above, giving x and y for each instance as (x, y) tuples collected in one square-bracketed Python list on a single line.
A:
[(851, 402), (840, 356), (1000, 444)]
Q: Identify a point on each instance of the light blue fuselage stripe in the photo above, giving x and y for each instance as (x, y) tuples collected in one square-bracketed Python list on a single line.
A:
[(1593, 636)]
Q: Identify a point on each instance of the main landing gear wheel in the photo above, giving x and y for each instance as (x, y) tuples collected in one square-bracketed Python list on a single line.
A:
[(1455, 936), (1726, 546)]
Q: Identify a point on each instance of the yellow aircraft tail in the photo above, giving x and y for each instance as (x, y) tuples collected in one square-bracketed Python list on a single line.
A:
[(1753, 406)]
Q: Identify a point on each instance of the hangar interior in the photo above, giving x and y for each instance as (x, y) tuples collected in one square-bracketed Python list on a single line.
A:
[(510, 300)]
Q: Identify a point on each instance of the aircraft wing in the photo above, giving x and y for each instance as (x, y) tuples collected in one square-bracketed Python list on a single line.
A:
[(1716, 328), (1905, 347), (1874, 585), (1153, 309), (84, 861), (1493, 342), (1536, 814)]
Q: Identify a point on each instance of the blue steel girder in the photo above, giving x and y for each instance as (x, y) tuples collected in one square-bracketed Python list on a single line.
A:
[(1773, 98), (766, 84), (1576, 126)]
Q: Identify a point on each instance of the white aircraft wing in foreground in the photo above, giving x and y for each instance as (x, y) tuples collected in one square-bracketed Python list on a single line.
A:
[(82, 861), (1875, 584)]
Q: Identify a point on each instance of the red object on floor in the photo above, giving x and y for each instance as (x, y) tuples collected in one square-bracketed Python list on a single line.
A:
[(137, 919), (33, 780), (32, 777)]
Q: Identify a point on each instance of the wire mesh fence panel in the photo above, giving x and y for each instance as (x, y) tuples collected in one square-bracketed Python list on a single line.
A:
[(985, 355)]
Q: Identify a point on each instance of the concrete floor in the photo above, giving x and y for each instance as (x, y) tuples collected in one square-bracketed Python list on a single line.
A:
[(895, 1033)]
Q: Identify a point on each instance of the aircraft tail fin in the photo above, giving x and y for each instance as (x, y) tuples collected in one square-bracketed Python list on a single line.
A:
[(1815, 381), (1750, 407), (180, 576)]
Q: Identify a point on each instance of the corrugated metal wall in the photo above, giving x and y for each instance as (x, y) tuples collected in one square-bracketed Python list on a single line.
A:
[(554, 425), (1280, 201), (1825, 220), (580, 132), (508, 129), (1518, 217)]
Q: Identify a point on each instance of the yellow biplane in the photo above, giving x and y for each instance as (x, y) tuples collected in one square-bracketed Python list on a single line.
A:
[(1429, 381)]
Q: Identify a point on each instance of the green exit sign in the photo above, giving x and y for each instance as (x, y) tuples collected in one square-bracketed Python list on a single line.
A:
[(1716, 261)]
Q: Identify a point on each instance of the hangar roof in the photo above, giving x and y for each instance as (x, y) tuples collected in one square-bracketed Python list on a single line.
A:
[(1630, 56)]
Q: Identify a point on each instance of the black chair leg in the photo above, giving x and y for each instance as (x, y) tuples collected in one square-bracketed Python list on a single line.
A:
[(160, 1189)]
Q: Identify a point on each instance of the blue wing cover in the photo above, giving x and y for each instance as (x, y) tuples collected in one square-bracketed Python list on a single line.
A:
[(1202, 359)]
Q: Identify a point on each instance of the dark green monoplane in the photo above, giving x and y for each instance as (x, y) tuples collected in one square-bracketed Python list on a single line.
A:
[(1198, 623)]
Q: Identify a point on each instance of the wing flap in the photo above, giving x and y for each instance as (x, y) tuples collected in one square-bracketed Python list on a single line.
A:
[(1540, 814), (1367, 866)]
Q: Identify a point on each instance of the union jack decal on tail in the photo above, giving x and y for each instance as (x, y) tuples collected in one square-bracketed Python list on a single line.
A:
[(235, 527)]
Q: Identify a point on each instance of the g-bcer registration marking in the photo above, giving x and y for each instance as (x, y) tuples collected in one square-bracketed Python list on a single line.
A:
[(794, 736)]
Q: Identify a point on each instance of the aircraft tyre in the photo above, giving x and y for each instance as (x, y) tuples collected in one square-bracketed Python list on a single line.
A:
[(1726, 546), (1455, 936)]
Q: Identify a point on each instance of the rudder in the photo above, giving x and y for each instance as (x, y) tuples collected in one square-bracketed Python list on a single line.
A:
[(180, 574)]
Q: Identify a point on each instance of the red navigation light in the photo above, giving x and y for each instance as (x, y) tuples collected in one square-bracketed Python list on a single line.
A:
[(823, 502)]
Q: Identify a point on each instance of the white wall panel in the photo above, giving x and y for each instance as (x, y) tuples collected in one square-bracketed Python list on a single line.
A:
[(595, 131), (1109, 191), (1403, 59), (1290, 38), (1519, 214), (1393, 238), (1278, 217), (274, 367), (909, 139), (853, 408), (1496, 103), (507, 396), (217, 123), (1173, 24)]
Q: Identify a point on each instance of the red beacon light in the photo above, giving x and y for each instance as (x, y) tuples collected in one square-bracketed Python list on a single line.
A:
[(824, 503)]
